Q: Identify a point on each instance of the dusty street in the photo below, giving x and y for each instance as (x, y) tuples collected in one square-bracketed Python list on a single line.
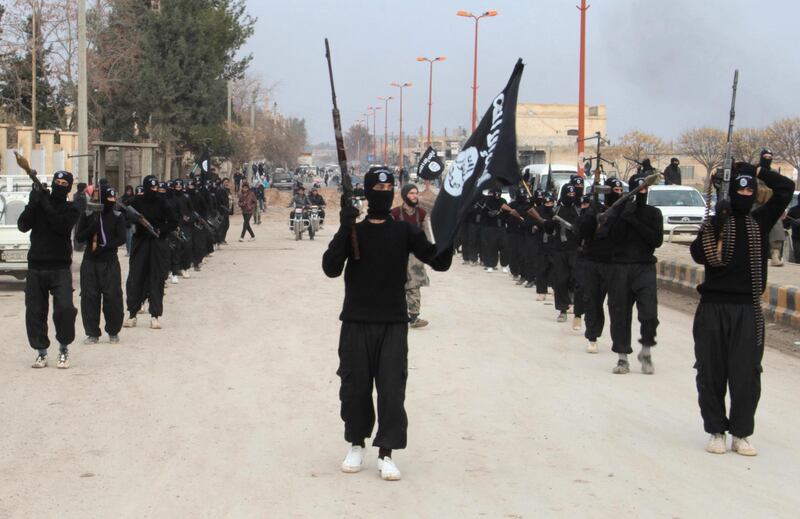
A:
[(232, 409)]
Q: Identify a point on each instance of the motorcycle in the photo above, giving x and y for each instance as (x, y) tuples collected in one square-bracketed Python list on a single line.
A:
[(299, 223), (313, 218)]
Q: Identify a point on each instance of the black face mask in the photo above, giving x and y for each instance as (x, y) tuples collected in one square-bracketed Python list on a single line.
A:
[(380, 204), (568, 201), (58, 193), (765, 162), (611, 197), (742, 204)]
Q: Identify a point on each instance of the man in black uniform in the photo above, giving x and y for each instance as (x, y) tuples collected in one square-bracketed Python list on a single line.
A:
[(101, 281), (199, 234), (185, 217), (148, 262), (672, 173), (373, 345), (596, 251), (50, 218), (564, 253), (545, 230), (471, 235), (636, 234), (729, 323), (531, 243), (515, 236), (81, 201), (223, 195), (792, 221), (491, 228)]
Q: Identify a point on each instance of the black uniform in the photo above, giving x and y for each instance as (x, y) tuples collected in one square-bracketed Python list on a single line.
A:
[(199, 232), (564, 252), (50, 218), (793, 222), (373, 342), (636, 234), (223, 196), (101, 281), (471, 235), (515, 235), (672, 173), (545, 230), (491, 229), (149, 255), (183, 204), (728, 325)]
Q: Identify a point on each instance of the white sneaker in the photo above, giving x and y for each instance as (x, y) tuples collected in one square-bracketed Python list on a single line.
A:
[(388, 470), (252, 239), (592, 347), (488, 269), (506, 270), (40, 362), (154, 324), (354, 460), (577, 322), (185, 274), (63, 361), (541, 297), (129, 323), (173, 279), (742, 446), (241, 239), (716, 444)]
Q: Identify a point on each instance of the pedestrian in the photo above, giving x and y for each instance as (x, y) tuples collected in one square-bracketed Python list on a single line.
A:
[(101, 281), (148, 262), (409, 211), (595, 250), (373, 343), (247, 203), (792, 221), (672, 173), (636, 234), (127, 198), (50, 218), (729, 323)]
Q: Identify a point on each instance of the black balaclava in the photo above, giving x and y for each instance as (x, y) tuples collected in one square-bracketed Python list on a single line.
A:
[(633, 183), (765, 159), (547, 210), (586, 199), (404, 194), (744, 175), (380, 202), (150, 183), (646, 166), (139, 191), (163, 191), (105, 194), (674, 162), (59, 193), (538, 197), (611, 196), (577, 181), (566, 200)]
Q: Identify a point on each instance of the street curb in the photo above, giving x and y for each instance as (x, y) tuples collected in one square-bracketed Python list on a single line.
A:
[(781, 302)]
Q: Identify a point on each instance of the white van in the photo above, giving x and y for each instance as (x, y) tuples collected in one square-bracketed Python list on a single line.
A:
[(561, 174), (14, 244)]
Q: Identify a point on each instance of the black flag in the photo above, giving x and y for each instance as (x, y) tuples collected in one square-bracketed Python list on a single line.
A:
[(430, 166), (490, 153), (204, 165)]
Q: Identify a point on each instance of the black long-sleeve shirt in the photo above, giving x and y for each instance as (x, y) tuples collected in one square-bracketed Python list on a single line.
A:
[(596, 245), (793, 221), (374, 285), (50, 223), (732, 284), (636, 237), (114, 227), (158, 213)]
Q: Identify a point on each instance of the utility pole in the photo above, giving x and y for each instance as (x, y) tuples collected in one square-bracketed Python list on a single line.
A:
[(230, 104), (582, 80), (33, 74), (253, 110), (83, 114)]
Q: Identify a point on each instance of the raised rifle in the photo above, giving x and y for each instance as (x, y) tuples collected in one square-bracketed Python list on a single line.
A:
[(347, 182), (649, 180), (22, 162), (136, 215), (202, 221)]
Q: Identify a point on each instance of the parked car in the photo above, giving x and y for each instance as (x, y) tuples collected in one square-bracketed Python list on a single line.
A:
[(282, 180), (560, 175), (14, 245), (682, 207)]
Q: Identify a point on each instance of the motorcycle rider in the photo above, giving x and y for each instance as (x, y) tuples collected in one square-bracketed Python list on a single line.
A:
[(316, 199)]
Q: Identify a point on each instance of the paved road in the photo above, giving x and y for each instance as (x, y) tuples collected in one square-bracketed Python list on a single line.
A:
[(232, 411)]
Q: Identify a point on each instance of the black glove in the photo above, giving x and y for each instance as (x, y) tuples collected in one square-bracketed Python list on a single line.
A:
[(630, 209), (348, 213), (35, 197)]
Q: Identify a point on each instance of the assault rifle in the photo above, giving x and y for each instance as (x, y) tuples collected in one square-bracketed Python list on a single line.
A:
[(202, 221), (649, 180), (136, 215), (347, 182), (728, 162)]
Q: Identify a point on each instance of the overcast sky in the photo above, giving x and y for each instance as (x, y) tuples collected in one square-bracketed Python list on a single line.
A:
[(659, 65)]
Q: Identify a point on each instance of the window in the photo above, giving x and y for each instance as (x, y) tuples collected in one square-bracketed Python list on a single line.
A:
[(572, 133), (593, 111), (675, 198), (687, 172)]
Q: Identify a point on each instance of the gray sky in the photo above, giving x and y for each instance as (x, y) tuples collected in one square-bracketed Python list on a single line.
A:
[(659, 65)]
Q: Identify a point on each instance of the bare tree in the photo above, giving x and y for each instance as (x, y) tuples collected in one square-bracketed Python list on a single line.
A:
[(357, 142), (747, 144), (638, 146), (705, 145), (784, 138)]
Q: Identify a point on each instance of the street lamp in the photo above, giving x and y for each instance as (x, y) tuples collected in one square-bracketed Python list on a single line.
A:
[(475, 63), (385, 127), (374, 110), (430, 89), (401, 87)]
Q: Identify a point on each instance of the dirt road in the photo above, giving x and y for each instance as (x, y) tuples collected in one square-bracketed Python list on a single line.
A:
[(232, 410)]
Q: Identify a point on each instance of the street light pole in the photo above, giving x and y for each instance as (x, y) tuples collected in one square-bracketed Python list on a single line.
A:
[(386, 128), (83, 115), (400, 151), (582, 80), (475, 63), (430, 89), (374, 110)]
